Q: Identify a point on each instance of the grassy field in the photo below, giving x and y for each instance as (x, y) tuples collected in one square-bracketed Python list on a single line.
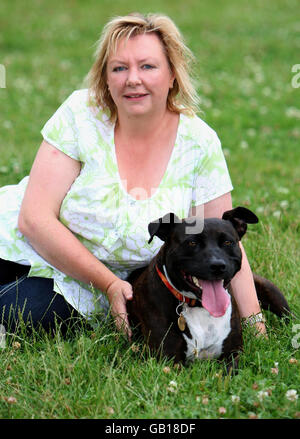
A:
[(245, 52)]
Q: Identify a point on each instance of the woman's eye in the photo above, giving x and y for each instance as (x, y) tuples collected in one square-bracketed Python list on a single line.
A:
[(147, 67), (119, 68)]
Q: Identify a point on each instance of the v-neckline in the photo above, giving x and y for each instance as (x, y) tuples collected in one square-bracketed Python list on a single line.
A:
[(161, 183)]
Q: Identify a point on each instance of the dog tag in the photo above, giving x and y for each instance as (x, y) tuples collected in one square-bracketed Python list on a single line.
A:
[(181, 322)]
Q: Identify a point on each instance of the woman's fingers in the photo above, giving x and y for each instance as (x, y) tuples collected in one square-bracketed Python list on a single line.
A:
[(118, 293)]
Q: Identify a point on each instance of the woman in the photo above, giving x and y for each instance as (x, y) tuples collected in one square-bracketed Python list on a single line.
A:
[(114, 157)]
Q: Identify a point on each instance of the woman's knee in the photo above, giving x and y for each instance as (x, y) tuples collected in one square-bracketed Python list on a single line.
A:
[(31, 300)]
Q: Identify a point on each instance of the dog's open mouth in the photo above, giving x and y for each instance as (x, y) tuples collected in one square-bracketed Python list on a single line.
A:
[(214, 297), (192, 282)]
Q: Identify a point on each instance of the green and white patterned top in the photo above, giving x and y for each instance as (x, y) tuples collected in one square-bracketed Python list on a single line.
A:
[(109, 221)]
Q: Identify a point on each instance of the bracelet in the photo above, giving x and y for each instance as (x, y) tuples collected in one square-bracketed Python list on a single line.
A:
[(255, 318)]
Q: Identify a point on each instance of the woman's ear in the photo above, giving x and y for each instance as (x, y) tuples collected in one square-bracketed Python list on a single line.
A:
[(172, 78)]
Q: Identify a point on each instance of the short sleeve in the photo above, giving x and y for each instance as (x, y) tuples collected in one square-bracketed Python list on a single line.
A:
[(61, 131), (212, 177)]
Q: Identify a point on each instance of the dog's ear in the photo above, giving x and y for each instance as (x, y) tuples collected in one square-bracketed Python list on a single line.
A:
[(162, 226), (239, 218)]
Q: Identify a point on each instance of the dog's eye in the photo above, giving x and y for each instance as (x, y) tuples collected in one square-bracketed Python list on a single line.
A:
[(227, 243), (192, 243)]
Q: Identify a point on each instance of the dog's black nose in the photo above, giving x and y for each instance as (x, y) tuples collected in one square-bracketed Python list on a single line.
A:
[(217, 266)]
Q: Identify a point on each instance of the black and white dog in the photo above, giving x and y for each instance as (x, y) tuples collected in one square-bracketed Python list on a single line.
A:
[(182, 302)]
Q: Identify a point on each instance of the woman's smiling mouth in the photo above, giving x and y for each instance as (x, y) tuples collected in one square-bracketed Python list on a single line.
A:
[(135, 96)]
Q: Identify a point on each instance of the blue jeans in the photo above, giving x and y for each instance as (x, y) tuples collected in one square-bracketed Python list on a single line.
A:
[(34, 300)]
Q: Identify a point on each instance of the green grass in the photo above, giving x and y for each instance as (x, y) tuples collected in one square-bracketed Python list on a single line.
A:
[(245, 52)]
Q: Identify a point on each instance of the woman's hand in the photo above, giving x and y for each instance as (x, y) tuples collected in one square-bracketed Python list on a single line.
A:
[(261, 329), (118, 292)]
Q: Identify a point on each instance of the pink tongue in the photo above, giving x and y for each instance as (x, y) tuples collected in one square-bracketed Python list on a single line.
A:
[(214, 297)]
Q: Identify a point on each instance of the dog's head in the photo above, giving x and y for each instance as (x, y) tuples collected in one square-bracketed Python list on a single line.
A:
[(203, 262)]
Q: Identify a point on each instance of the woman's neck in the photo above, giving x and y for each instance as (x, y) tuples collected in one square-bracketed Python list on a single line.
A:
[(142, 127)]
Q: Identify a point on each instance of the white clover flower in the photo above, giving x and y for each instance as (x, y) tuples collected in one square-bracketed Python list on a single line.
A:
[(283, 190), (7, 124), (291, 395), (235, 399), (262, 395), (260, 209), (244, 144), (267, 91), (172, 387), (284, 204), (293, 112), (263, 110), (251, 132), (277, 213)]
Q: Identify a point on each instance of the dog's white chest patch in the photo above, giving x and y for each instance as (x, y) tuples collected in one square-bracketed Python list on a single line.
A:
[(207, 332)]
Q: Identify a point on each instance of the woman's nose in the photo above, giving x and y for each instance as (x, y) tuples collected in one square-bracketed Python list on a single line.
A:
[(133, 78)]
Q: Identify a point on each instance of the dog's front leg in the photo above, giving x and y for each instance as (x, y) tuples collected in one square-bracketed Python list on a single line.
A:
[(233, 344), (231, 363), (165, 341)]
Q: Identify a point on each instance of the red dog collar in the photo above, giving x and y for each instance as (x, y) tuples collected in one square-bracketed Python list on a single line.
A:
[(176, 293)]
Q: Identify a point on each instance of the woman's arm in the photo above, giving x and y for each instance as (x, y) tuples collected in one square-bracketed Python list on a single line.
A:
[(243, 287), (52, 175)]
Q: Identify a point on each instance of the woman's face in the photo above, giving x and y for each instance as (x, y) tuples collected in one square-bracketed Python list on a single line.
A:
[(139, 76)]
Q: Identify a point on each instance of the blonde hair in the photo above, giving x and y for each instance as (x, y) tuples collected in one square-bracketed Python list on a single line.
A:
[(182, 98)]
